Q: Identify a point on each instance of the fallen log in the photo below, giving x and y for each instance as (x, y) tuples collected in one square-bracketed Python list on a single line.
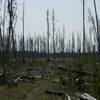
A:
[(82, 73), (56, 80), (85, 96), (61, 67), (3, 80), (18, 79), (11, 83), (69, 98), (58, 93)]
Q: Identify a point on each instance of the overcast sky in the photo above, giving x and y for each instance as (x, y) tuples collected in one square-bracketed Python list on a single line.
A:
[(67, 12)]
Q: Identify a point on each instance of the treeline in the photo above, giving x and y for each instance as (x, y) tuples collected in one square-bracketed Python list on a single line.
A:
[(52, 42)]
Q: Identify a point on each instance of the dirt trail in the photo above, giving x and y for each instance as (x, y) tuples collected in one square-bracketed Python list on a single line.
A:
[(38, 92), (31, 95)]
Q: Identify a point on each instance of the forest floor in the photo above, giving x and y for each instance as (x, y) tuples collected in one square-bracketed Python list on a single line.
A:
[(38, 92), (55, 78)]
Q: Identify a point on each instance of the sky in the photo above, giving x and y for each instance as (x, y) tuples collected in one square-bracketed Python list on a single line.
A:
[(67, 12)]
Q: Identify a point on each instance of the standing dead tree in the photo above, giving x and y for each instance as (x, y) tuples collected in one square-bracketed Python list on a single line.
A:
[(94, 56), (84, 40), (53, 30), (48, 34), (23, 32), (97, 26), (11, 35), (93, 26), (30, 44), (44, 44), (2, 41), (80, 62), (4, 18), (98, 44), (84, 52), (70, 67), (63, 41), (73, 44)]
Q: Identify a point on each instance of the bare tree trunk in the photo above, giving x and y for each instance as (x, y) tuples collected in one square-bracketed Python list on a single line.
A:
[(23, 32), (10, 38), (84, 40), (63, 41), (48, 34), (53, 29), (97, 23)]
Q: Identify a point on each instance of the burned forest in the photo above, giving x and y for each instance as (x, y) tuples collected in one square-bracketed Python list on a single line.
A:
[(55, 64)]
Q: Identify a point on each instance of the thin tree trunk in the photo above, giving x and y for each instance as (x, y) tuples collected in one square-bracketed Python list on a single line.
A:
[(48, 33), (97, 23)]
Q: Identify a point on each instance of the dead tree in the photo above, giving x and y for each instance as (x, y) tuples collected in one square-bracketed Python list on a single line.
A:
[(98, 41), (11, 36), (92, 21), (94, 29), (63, 41), (20, 40), (48, 34), (73, 44), (70, 67), (27, 44), (2, 49), (44, 44), (79, 60), (1, 40), (30, 44), (53, 30), (57, 43), (84, 51), (3, 36), (84, 27), (97, 26), (23, 32), (59, 40), (35, 44), (4, 17)]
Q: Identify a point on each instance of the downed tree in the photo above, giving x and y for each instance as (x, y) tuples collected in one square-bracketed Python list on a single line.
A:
[(85, 96), (58, 93)]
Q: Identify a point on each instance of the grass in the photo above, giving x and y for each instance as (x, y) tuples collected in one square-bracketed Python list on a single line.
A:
[(21, 91), (38, 88), (15, 92), (42, 85)]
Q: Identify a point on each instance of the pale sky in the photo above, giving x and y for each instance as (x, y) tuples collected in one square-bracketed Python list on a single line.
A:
[(67, 12)]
